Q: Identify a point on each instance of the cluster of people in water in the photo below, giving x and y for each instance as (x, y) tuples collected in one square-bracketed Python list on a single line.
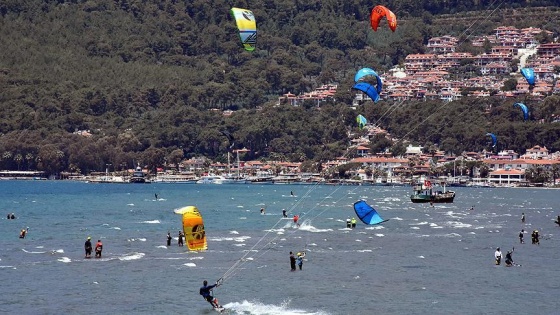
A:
[(296, 260), (509, 260), (535, 239), (88, 248), (180, 238), (351, 223)]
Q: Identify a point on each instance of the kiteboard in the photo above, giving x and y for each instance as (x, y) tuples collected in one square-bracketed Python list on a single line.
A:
[(220, 309)]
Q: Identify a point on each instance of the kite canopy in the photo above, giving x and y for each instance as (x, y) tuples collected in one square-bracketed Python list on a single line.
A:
[(193, 227), (524, 109), (494, 139), (378, 13), (247, 27), (368, 89), (364, 72), (362, 121), (367, 214), (529, 75)]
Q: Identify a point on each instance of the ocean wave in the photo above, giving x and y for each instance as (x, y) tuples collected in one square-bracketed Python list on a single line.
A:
[(239, 239), (376, 227), (233, 232), (190, 264), (64, 259), (458, 225), (23, 249), (152, 222), (141, 239), (133, 256), (420, 223)]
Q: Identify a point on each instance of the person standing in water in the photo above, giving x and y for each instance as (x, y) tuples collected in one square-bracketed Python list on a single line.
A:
[(522, 217), (292, 262), (498, 256), (284, 214), (180, 240), (521, 234), (299, 259), (509, 260), (169, 238), (98, 249), (88, 247)]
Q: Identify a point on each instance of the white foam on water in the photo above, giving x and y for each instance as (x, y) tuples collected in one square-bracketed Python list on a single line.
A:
[(58, 251), (376, 227), (64, 259), (458, 225), (133, 256), (233, 232), (310, 228), (397, 219), (116, 228), (420, 223), (2, 267), (433, 225), (40, 247), (358, 240), (364, 250), (422, 257), (161, 246), (240, 245), (152, 222), (190, 264), (23, 249), (379, 235), (130, 204), (137, 239), (239, 239), (415, 228), (255, 307)]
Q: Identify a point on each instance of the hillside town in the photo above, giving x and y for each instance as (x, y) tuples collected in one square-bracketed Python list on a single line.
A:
[(429, 76), (433, 75)]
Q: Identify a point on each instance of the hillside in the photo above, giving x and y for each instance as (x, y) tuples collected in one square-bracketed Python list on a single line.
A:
[(141, 77)]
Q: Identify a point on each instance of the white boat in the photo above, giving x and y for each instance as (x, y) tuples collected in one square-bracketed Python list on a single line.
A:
[(215, 179), (175, 178)]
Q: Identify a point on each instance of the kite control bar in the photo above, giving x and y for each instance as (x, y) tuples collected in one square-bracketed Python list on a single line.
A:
[(219, 282)]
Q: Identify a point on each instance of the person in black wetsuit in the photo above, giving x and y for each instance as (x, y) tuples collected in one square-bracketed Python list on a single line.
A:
[(88, 247), (206, 292), (509, 260), (292, 262), (169, 239)]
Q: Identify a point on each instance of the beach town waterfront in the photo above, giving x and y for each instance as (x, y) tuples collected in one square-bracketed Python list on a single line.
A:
[(424, 260)]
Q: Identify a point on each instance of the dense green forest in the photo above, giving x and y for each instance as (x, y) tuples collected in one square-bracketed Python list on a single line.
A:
[(149, 80)]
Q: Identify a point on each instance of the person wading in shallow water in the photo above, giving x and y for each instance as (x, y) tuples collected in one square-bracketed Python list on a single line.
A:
[(88, 247), (292, 262)]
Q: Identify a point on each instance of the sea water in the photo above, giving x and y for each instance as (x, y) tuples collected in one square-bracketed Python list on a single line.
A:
[(424, 260)]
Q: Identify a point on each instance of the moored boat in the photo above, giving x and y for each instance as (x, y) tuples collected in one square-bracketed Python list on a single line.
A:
[(425, 192)]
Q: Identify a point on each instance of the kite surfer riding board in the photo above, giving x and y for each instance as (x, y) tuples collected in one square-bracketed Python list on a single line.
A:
[(206, 292)]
